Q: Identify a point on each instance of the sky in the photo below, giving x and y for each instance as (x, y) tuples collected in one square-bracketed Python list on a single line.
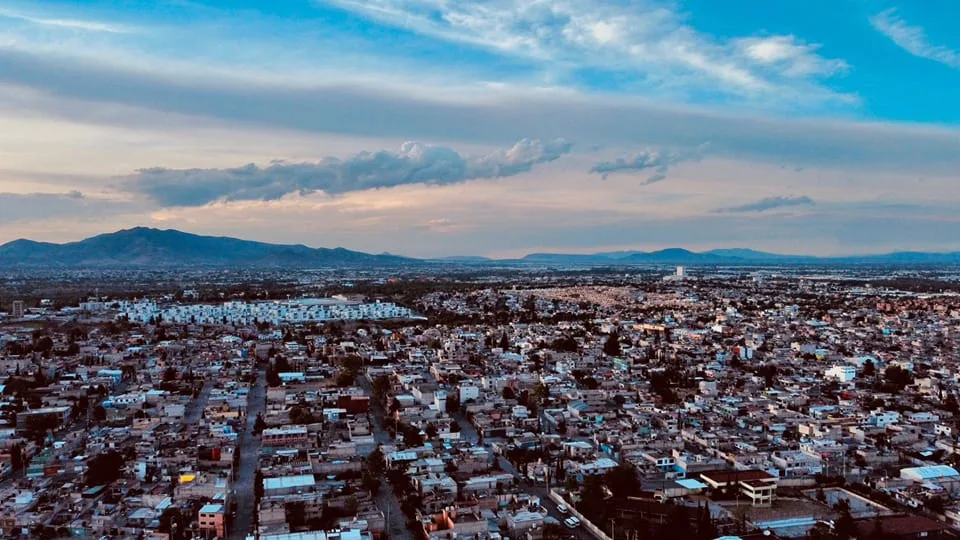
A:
[(486, 127)]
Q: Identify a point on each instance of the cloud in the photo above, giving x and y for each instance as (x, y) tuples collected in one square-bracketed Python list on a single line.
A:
[(414, 163), (657, 160), (89, 92), (67, 24), (26, 207), (789, 55), (647, 39), (769, 203), (913, 39)]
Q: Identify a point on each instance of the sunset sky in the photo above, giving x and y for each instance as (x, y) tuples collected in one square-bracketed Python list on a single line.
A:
[(501, 127)]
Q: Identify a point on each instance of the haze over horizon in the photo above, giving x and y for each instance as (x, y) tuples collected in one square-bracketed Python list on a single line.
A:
[(494, 128)]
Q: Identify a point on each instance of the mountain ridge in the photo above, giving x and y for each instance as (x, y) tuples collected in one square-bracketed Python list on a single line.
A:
[(144, 247), (149, 247)]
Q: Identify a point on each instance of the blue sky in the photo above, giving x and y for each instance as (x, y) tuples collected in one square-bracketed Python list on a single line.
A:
[(433, 127)]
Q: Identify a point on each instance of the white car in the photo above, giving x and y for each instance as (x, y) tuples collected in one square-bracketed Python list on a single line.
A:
[(562, 509), (572, 522)]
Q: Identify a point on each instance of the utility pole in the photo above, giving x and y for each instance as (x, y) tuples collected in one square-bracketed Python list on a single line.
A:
[(613, 530)]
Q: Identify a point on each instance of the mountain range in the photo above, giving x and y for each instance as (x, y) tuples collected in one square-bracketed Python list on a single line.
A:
[(143, 247)]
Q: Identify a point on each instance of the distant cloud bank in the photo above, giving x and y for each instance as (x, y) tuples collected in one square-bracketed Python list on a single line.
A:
[(414, 163), (769, 203), (658, 161)]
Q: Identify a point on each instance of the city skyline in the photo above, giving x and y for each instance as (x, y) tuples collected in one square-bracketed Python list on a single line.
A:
[(485, 128)]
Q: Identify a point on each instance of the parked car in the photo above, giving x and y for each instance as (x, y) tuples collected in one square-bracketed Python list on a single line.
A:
[(572, 522)]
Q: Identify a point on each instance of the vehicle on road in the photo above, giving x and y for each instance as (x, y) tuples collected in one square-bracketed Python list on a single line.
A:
[(562, 509), (572, 522)]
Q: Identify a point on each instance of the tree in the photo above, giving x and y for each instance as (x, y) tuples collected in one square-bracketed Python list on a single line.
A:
[(845, 527), (273, 378), (541, 392), (104, 468), (258, 485), (678, 522), (381, 387), (99, 413), (869, 369), (612, 345), (16, 457), (504, 341), (345, 378), (170, 374), (623, 480), (259, 425), (706, 529), (508, 393)]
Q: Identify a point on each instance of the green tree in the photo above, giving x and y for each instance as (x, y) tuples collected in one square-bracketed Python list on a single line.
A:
[(16, 457), (845, 528), (623, 480), (381, 387), (612, 345)]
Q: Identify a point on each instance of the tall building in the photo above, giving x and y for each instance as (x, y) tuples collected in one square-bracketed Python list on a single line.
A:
[(681, 271), (17, 310)]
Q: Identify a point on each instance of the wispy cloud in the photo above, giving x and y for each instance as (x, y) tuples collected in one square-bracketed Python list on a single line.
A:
[(645, 39), (913, 39), (67, 24), (769, 203), (658, 161), (789, 56), (414, 163)]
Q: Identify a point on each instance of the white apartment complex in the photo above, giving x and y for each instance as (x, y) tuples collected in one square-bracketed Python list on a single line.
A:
[(275, 313)]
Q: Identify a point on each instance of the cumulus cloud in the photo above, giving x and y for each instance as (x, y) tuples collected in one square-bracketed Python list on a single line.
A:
[(658, 161), (414, 163), (769, 203)]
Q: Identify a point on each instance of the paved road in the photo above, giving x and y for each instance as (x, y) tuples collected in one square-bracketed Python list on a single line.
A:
[(385, 498), (198, 405), (249, 445)]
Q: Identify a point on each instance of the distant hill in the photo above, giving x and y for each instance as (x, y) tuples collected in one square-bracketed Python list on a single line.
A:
[(145, 247), (738, 256)]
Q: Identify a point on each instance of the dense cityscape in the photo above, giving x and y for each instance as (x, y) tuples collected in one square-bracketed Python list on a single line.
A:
[(622, 404)]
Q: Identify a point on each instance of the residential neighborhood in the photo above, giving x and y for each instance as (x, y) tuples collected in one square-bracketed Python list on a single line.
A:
[(606, 407)]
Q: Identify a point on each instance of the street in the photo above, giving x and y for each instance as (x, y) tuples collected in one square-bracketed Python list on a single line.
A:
[(385, 498), (197, 406), (249, 445)]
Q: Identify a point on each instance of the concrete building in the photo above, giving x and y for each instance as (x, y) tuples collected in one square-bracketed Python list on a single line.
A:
[(17, 310)]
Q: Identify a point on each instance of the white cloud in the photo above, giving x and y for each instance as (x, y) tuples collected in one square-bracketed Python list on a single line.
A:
[(792, 57), (913, 39), (646, 39), (66, 24)]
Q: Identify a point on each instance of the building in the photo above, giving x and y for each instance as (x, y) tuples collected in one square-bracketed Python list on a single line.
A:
[(841, 373), (17, 310), (295, 436), (212, 520)]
